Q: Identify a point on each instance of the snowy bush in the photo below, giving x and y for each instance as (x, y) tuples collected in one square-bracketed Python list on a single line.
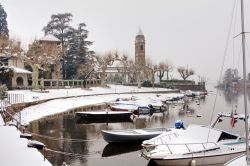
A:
[(3, 91)]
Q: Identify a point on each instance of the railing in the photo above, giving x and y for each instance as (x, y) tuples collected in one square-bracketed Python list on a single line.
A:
[(187, 148), (58, 83), (8, 114)]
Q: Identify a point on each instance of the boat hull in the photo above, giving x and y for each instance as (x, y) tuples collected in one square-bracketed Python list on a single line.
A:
[(104, 115), (115, 108), (133, 135), (199, 160), (113, 138)]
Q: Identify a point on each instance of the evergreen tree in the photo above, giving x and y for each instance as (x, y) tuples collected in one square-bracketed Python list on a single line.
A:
[(70, 59), (77, 50), (3, 22), (6, 74)]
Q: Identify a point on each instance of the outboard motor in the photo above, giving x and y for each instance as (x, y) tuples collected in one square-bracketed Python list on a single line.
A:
[(151, 109), (179, 124)]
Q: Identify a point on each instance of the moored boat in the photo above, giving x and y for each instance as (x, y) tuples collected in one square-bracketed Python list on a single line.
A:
[(132, 135), (104, 115), (205, 155), (210, 146), (138, 107)]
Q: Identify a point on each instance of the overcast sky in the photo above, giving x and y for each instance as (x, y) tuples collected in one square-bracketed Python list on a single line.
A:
[(189, 33)]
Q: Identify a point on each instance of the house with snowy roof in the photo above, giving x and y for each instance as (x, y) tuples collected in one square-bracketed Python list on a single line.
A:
[(20, 75)]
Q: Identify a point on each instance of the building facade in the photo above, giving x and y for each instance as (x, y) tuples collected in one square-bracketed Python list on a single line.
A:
[(54, 71)]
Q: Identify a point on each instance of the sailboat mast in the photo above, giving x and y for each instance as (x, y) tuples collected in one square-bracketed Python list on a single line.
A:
[(244, 78)]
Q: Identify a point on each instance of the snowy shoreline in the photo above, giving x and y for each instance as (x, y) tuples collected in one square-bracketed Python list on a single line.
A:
[(57, 106)]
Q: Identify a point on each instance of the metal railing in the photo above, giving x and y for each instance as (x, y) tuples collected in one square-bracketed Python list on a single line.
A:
[(188, 148)]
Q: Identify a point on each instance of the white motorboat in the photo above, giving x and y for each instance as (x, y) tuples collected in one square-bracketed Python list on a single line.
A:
[(205, 145), (198, 153)]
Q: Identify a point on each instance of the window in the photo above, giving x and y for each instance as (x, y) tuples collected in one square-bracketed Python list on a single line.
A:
[(19, 81), (141, 47)]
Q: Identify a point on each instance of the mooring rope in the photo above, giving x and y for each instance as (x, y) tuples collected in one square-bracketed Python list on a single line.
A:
[(64, 139), (76, 155)]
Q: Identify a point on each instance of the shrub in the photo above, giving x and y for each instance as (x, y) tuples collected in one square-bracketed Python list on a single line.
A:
[(147, 83)]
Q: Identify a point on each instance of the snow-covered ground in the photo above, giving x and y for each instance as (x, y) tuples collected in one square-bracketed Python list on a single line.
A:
[(14, 150), (56, 93), (61, 105)]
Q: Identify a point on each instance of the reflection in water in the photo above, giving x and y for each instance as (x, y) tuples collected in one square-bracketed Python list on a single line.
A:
[(116, 149), (85, 139), (231, 95), (82, 141)]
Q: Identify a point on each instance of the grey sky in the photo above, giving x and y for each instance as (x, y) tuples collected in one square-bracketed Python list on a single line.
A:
[(185, 32)]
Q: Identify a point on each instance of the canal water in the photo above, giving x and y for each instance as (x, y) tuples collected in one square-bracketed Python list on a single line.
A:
[(80, 143)]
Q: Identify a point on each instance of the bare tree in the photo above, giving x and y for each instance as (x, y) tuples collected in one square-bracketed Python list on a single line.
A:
[(40, 56), (168, 68), (185, 72), (10, 46), (132, 70), (125, 64), (161, 70), (102, 62), (4, 42), (151, 69)]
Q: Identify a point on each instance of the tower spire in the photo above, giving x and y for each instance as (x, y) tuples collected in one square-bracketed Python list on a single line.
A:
[(140, 32)]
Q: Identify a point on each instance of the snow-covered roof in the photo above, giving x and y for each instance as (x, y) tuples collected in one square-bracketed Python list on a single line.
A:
[(20, 70), (116, 64), (50, 38)]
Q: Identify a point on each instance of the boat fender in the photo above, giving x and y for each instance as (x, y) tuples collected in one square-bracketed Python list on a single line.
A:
[(193, 163), (179, 124)]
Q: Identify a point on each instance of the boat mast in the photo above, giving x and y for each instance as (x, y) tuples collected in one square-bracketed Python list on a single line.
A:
[(244, 78)]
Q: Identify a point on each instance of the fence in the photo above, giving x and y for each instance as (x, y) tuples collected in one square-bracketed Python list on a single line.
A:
[(8, 114), (54, 83), (11, 99)]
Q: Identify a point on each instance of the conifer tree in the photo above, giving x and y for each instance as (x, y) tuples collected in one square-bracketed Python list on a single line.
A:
[(77, 51), (3, 22)]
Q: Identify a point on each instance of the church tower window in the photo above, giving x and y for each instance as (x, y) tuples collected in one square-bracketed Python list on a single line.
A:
[(141, 47)]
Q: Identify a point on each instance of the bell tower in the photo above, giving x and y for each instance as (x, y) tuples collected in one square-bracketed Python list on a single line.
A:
[(140, 49)]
